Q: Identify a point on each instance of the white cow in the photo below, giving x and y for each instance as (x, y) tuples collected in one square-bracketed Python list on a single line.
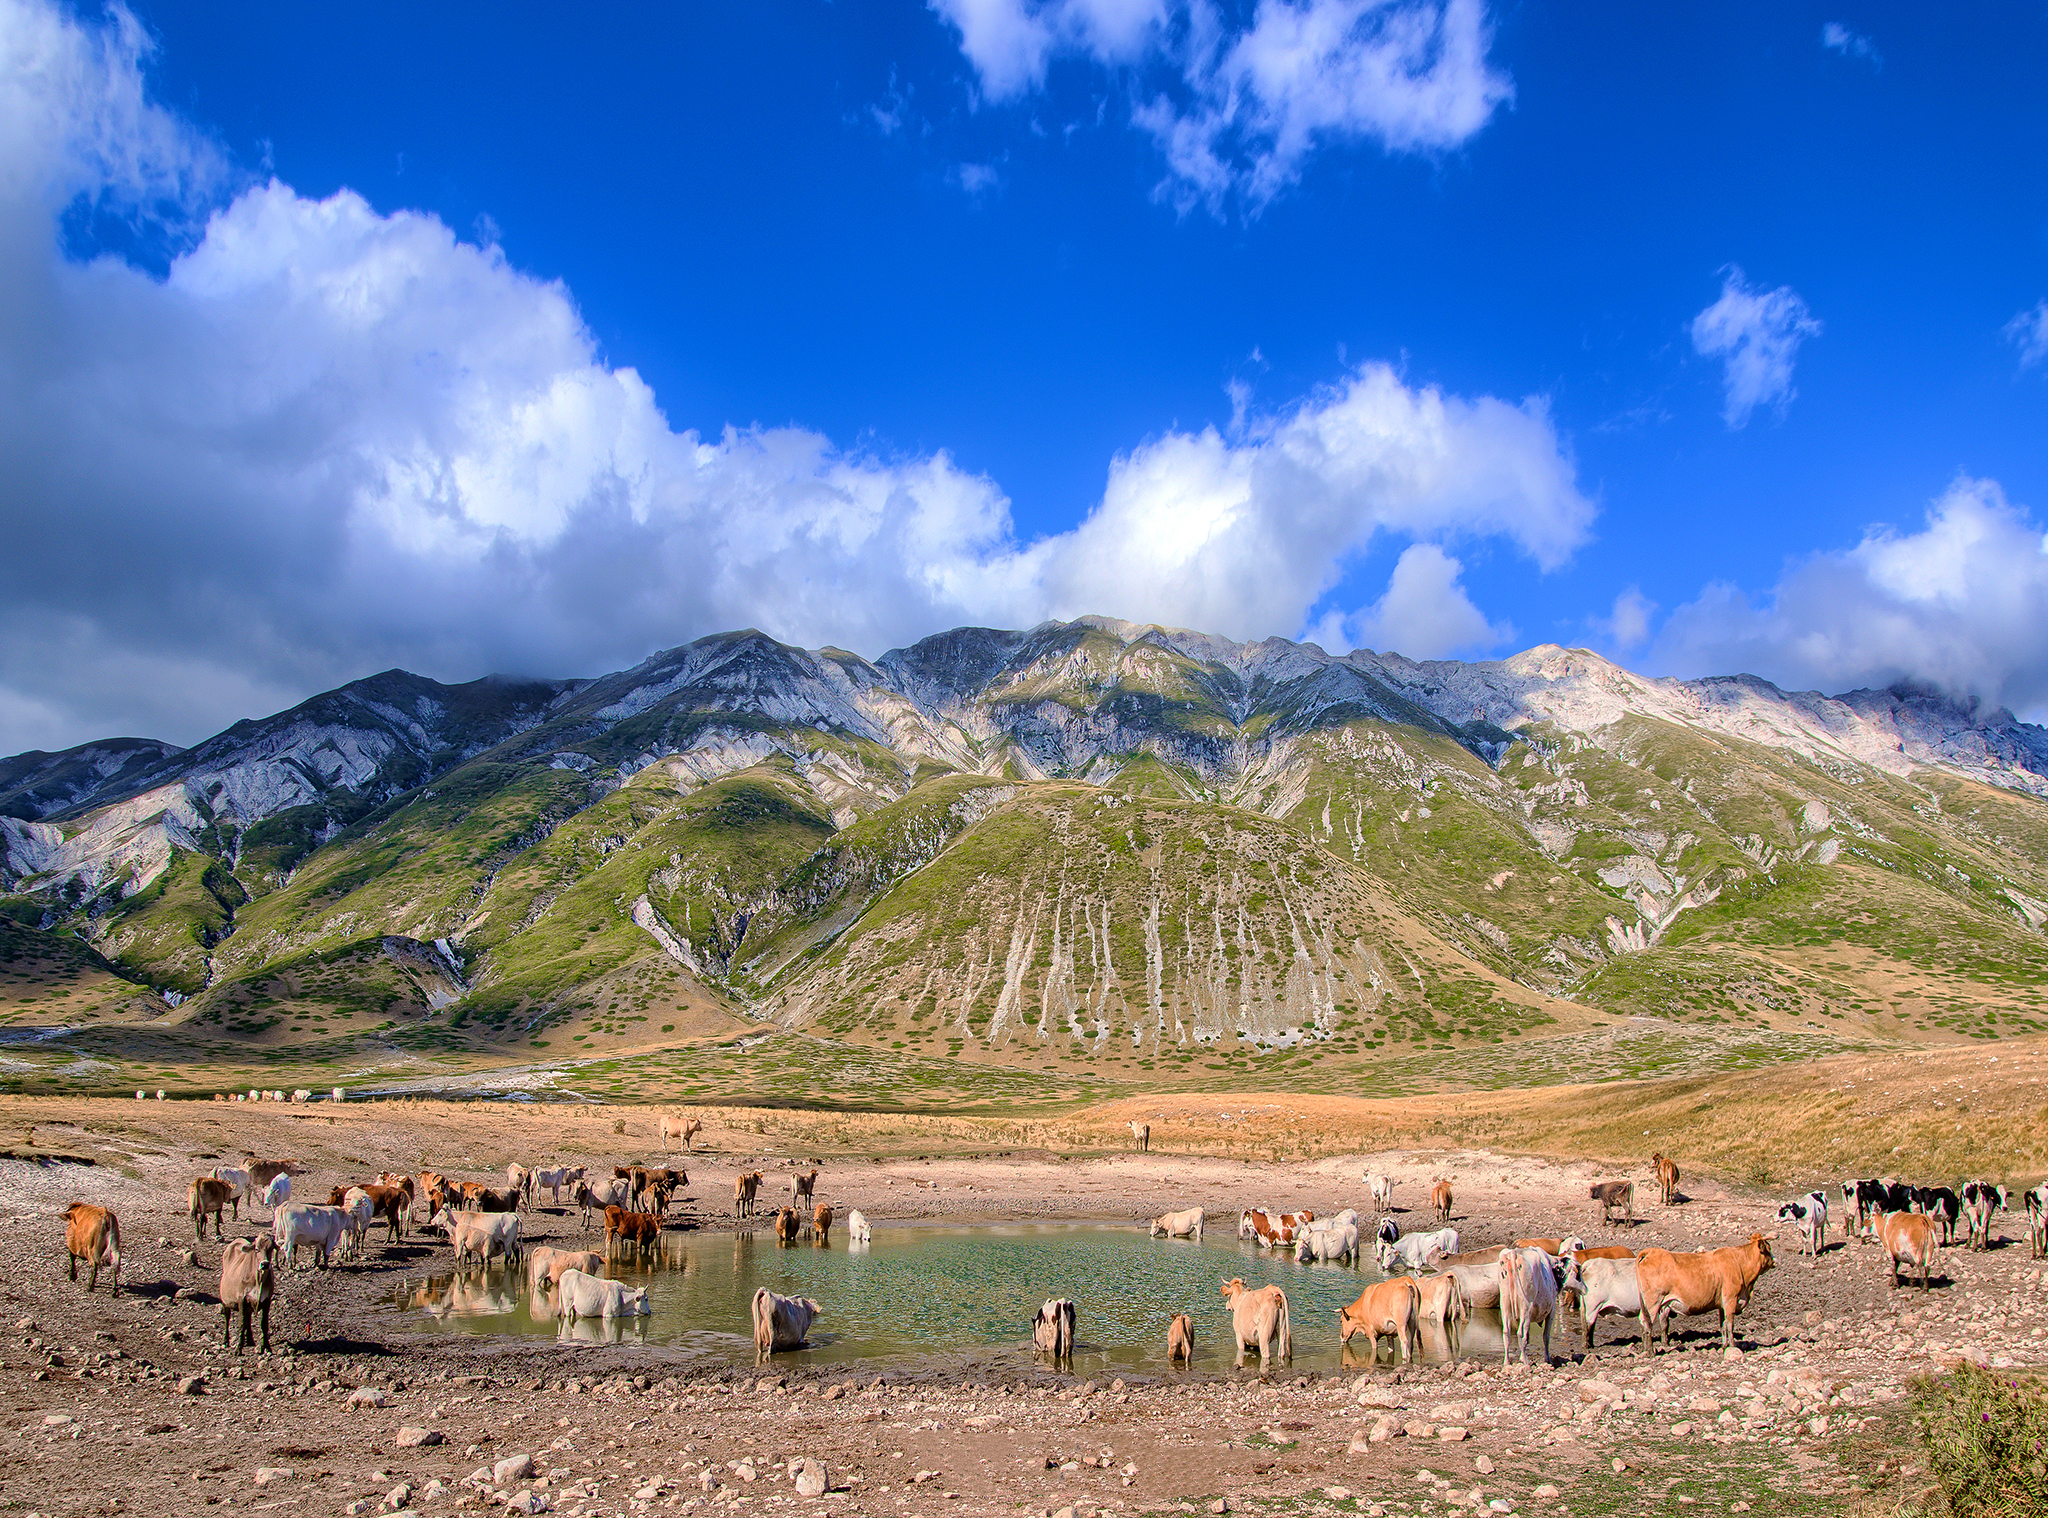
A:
[(1382, 1188), (1328, 1245), (237, 1180), (857, 1229), (1179, 1225), (782, 1322), (1810, 1214), (581, 1295), (361, 1212), (304, 1225), (1414, 1250), (555, 1177), (1609, 1286), (487, 1235), (1529, 1283), (278, 1192), (595, 1196)]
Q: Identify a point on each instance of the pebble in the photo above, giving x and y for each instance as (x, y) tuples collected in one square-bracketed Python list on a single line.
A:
[(1452, 1434), (1220, 1505), (270, 1475), (415, 1438), (528, 1502), (192, 1386), (1483, 1465), (399, 1495), (1546, 1490), (367, 1396)]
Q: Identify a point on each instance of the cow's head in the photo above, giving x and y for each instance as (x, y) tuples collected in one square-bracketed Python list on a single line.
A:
[(1232, 1287)]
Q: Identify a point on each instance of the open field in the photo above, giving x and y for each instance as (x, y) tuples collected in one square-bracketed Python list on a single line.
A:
[(1812, 1413)]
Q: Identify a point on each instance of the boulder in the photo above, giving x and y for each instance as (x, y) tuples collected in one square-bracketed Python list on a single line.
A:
[(512, 1468), (811, 1479), (416, 1438)]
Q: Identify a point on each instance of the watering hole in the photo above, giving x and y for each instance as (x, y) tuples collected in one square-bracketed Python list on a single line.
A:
[(964, 1293)]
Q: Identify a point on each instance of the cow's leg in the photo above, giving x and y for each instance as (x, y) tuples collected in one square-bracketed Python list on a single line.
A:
[(227, 1318), (74, 1267)]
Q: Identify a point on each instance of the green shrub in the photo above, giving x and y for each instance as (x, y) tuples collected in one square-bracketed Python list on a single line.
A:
[(1987, 1440)]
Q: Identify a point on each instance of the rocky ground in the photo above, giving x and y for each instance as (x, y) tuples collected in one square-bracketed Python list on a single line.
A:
[(129, 1403)]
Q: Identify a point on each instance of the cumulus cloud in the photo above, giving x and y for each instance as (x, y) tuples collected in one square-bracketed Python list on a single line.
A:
[(1424, 614), (1837, 38), (1756, 334), (1236, 112), (1628, 625), (328, 440), (1961, 605), (2028, 332)]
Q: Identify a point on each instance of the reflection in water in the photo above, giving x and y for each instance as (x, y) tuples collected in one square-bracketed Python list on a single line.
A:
[(965, 1291)]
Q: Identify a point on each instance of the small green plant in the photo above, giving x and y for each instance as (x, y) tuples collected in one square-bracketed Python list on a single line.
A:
[(1987, 1440)]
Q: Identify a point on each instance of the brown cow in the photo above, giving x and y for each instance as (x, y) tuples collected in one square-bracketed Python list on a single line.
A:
[(1909, 1239), (1667, 1178), (639, 1230), (821, 1224), (743, 1189), (1703, 1281), (788, 1225), (205, 1195), (1613, 1196), (93, 1234), (480, 1198), (805, 1187), (1441, 1302), (247, 1281), (1440, 1200), (1392, 1308), (263, 1172), (1180, 1340), (391, 1203)]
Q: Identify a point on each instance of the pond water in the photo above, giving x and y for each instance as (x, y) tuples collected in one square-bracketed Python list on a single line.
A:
[(961, 1292)]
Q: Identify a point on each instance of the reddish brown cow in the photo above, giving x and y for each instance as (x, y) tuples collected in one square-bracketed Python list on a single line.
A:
[(1909, 1238), (207, 1195), (788, 1225), (1667, 1178), (1704, 1281), (1390, 1308), (93, 1234), (1440, 1200), (640, 1231), (821, 1224)]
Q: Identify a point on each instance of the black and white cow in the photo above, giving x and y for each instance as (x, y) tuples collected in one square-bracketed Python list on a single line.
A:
[(1859, 1200), (1980, 1200), (2037, 1219), (1810, 1214), (1943, 1205), (1389, 1231)]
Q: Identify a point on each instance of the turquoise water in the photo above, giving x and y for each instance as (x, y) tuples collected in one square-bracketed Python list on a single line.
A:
[(966, 1292)]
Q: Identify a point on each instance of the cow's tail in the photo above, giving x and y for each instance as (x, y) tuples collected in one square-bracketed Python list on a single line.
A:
[(114, 1243), (764, 1326), (1286, 1332)]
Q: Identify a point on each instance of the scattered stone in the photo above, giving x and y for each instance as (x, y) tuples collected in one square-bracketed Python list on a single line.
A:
[(834, 1392), (360, 1506), (399, 1495), (526, 1501), (707, 1479), (1452, 1434), (367, 1396), (1483, 1465), (415, 1438), (1593, 1389), (923, 1476), (192, 1386), (1337, 1493), (744, 1469), (1620, 1465), (270, 1475), (512, 1468), (191, 1257), (1680, 1430), (1732, 1353), (1452, 1412), (811, 1479), (1546, 1491), (1417, 1429), (1220, 1505)]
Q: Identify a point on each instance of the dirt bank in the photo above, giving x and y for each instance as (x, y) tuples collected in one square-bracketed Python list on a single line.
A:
[(95, 1417)]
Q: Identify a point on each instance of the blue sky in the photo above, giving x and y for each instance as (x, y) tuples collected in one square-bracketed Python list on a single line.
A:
[(390, 338)]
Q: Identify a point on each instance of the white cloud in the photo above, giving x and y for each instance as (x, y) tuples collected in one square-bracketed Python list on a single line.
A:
[(1756, 334), (331, 440), (1425, 613), (1837, 38), (1628, 625), (1961, 605), (1237, 112), (2029, 333)]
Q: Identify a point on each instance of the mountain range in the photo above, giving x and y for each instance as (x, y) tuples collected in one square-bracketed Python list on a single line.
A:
[(1001, 866)]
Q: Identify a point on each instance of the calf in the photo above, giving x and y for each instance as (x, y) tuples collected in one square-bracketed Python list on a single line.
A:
[(555, 1177), (2037, 1219), (743, 1189), (1703, 1281), (1179, 1225), (1908, 1239), (857, 1229), (1335, 1245), (1391, 1308), (1180, 1340), (1440, 1201), (207, 1195), (821, 1224), (781, 1322), (1810, 1215), (1259, 1320), (1667, 1178), (1616, 1196), (248, 1282), (1052, 1331), (487, 1237), (805, 1187), (788, 1225), (1981, 1200), (93, 1234)]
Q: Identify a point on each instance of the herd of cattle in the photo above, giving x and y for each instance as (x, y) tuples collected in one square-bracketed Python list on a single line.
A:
[(1429, 1279)]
